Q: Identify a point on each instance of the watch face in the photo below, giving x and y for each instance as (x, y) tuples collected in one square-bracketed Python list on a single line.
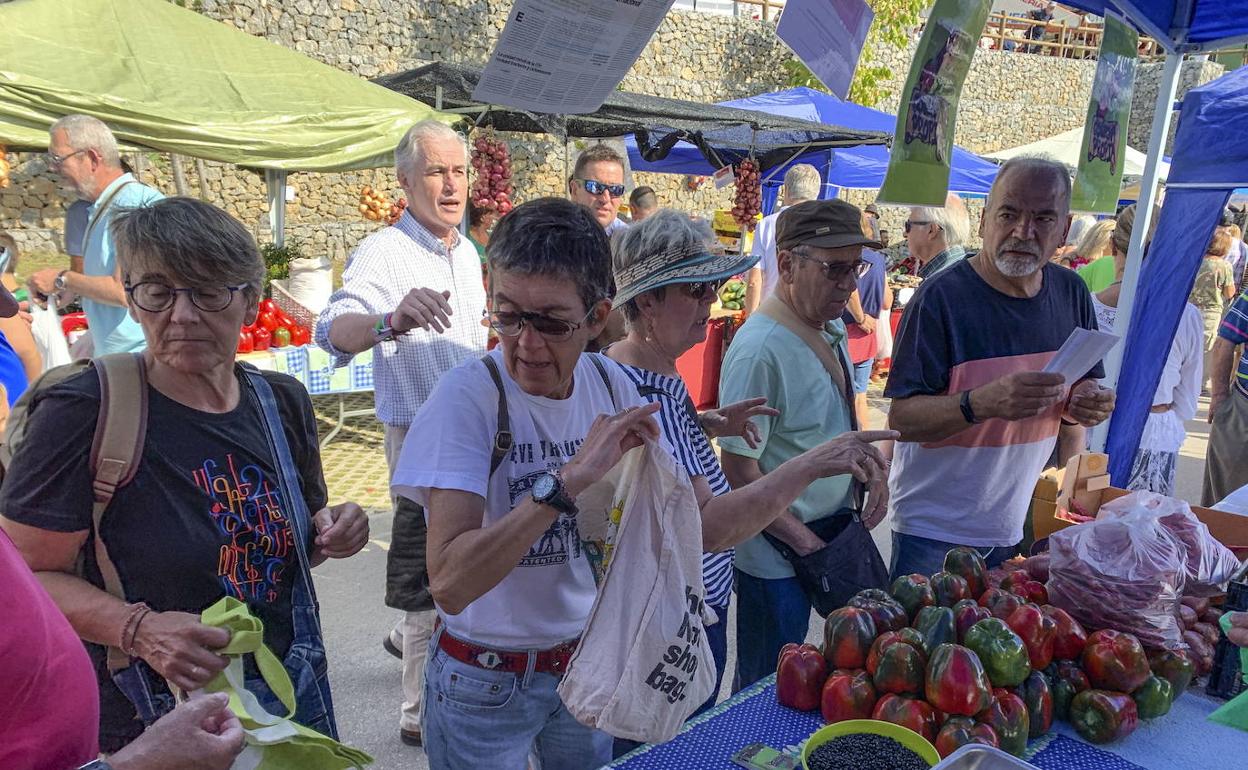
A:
[(544, 487)]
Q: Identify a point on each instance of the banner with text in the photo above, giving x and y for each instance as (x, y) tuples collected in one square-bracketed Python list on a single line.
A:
[(1098, 179), (918, 168), (827, 35)]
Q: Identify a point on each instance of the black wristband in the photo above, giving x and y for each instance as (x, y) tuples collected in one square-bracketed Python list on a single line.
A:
[(1069, 422), (965, 404)]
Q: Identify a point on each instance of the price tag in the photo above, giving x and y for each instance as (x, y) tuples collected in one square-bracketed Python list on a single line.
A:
[(724, 177)]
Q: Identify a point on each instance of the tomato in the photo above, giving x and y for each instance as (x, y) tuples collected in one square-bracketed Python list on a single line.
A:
[(246, 342), (281, 337), (300, 335), (267, 321)]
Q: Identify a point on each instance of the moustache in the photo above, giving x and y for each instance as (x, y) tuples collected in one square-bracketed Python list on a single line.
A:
[(1027, 247)]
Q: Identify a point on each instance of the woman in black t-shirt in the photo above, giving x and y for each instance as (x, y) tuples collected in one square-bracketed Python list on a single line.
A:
[(221, 503)]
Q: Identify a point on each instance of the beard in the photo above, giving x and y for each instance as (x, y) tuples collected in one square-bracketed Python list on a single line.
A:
[(1015, 266)]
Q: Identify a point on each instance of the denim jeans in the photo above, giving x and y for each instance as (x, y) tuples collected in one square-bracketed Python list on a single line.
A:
[(475, 718), (770, 614), (927, 557)]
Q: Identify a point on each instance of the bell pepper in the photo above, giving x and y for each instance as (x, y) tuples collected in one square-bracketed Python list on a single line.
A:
[(1175, 666), (910, 713), (887, 639), (1036, 694), (1036, 592), (968, 564), (1101, 716), (887, 613), (281, 337), (900, 670), (967, 613), (1000, 602), (800, 673), (847, 636), (1154, 698), (937, 626), (847, 695), (959, 731), (1069, 638), (1007, 716), (912, 637), (1002, 652), (1014, 580), (1037, 632), (1115, 661), (912, 592), (300, 335), (261, 338), (949, 589), (245, 341), (1066, 680), (956, 682)]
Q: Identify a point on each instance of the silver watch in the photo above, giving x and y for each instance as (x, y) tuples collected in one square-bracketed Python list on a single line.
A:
[(60, 283)]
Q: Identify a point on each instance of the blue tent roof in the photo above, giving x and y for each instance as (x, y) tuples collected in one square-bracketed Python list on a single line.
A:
[(1179, 25)]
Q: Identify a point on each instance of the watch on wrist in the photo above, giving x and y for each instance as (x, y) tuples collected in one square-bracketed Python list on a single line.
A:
[(548, 489), (60, 283), (967, 412)]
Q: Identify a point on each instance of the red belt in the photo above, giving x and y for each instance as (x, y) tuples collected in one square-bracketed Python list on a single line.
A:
[(552, 661)]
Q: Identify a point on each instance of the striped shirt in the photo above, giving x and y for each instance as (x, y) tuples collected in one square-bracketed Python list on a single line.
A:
[(1235, 330), (678, 421), (380, 272)]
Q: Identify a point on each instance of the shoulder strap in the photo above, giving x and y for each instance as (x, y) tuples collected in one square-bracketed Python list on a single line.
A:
[(99, 212), (502, 434), (646, 391), (606, 379)]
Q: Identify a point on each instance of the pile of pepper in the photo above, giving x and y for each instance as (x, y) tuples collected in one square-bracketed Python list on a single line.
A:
[(272, 328), (972, 655)]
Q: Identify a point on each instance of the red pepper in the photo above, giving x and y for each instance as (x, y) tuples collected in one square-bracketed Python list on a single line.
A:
[(1038, 697), (267, 321), (261, 338), (1069, 639), (1037, 632), (1000, 602), (800, 673), (956, 682), (847, 695), (300, 335), (949, 589), (1066, 680), (1035, 591), (913, 593), (245, 341), (900, 670), (967, 613), (1175, 666), (886, 611), (268, 306), (959, 731), (1007, 716), (887, 639), (910, 713), (1115, 661), (848, 633), (1101, 716), (968, 564)]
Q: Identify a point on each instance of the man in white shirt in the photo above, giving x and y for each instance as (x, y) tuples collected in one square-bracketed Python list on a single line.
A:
[(801, 183), (412, 293)]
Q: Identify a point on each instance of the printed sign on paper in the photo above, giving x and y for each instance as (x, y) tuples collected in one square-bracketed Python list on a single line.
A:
[(827, 35)]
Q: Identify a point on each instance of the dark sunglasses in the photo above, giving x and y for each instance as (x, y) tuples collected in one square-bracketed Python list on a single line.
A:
[(699, 289), (839, 271), (916, 223), (510, 324), (594, 187)]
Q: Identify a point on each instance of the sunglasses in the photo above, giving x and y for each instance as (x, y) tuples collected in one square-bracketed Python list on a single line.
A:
[(510, 324), (916, 223), (594, 187), (839, 271), (699, 289)]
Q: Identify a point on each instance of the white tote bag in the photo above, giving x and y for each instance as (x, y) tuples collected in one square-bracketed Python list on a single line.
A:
[(45, 327), (644, 663)]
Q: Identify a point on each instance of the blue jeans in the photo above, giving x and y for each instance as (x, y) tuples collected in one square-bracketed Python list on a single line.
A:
[(770, 614), (475, 718), (927, 557), (862, 375)]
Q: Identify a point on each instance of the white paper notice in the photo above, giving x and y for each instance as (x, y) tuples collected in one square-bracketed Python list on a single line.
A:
[(566, 56), (827, 35), (1080, 352)]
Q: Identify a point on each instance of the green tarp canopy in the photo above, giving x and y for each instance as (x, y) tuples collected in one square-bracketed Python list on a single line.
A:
[(169, 79)]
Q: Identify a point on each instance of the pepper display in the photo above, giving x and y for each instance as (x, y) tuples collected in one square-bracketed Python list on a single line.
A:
[(1115, 661), (1101, 716), (800, 674), (956, 682), (847, 695), (912, 592), (848, 633), (1007, 716), (1002, 652)]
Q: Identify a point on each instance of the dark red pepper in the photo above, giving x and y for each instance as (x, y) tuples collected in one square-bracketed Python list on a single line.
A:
[(1115, 661), (956, 682), (847, 636), (967, 613), (968, 564), (1069, 638), (1007, 716), (800, 673), (959, 731), (910, 713), (847, 695), (1000, 602), (1037, 631), (1038, 697), (949, 589), (1101, 716), (887, 613)]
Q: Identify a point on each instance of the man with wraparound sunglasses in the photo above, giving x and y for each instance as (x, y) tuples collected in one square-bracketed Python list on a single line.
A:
[(936, 235), (597, 183)]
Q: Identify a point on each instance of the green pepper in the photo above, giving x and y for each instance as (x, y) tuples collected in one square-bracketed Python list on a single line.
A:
[(1066, 680), (1002, 652), (900, 670), (937, 626), (968, 564), (912, 592), (1175, 666), (1101, 716), (1154, 698)]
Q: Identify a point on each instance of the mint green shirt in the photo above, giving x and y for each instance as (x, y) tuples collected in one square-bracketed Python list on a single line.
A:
[(1098, 274), (112, 328), (766, 359)]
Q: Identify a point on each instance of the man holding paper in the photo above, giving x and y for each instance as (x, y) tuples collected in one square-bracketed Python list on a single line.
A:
[(977, 412)]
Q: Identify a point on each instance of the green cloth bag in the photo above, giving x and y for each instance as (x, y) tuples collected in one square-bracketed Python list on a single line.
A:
[(273, 742), (1234, 712)]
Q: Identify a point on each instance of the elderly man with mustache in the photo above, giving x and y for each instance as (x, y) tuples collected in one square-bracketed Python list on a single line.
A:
[(978, 418)]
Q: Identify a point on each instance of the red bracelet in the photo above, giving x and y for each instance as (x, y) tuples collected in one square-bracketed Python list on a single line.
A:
[(130, 629)]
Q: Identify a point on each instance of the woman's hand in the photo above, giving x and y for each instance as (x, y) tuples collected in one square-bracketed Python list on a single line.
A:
[(200, 734), (853, 454), (734, 420), (342, 530), (181, 649), (606, 442)]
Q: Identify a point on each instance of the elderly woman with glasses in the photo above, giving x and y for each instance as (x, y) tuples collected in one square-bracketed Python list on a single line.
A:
[(667, 271), (227, 498)]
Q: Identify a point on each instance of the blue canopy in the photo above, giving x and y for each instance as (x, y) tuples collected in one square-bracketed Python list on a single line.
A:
[(1181, 26)]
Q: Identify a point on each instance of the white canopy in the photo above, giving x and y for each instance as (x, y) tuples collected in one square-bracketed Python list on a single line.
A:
[(1064, 147)]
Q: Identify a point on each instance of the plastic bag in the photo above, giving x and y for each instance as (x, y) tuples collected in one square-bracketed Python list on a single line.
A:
[(1209, 564), (45, 327), (1122, 572), (884, 335)]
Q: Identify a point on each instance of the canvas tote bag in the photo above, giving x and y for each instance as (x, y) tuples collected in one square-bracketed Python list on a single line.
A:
[(644, 663)]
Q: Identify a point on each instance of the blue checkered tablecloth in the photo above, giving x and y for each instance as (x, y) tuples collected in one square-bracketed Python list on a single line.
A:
[(314, 368), (1181, 740)]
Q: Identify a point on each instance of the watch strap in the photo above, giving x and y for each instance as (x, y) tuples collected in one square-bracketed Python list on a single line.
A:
[(965, 404), (559, 499)]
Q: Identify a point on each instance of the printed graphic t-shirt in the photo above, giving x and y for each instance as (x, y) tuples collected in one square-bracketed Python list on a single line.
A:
[(958, 333), (203, 518), (546, 599)]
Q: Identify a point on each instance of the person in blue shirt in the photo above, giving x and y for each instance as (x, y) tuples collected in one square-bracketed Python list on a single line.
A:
[(84, 152)]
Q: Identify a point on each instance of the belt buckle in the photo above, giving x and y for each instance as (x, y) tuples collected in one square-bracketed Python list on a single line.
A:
[(489, 659)]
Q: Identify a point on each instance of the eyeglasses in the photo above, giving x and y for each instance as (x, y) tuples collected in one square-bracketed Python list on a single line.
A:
[(156, 297), (55, 161), (916, 222), (699, 289), (510, 324), (594, 187), (839, 271)]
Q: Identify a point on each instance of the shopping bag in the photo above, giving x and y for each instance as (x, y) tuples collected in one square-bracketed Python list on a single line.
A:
[(884, 335), (644, 663), (45, 327)]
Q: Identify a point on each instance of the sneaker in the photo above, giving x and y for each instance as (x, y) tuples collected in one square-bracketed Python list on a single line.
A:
[(395, 647), (409, 737)]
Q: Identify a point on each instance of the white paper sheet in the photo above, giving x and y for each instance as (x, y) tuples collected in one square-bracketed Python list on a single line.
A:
[(566, 56), (1080, 352), (827, 35)]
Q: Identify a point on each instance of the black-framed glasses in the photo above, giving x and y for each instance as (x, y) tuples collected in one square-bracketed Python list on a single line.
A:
[(510, 324), (699, 289), (55, 161), (839, 271), (916, 222), (157, 297), (594, 187)]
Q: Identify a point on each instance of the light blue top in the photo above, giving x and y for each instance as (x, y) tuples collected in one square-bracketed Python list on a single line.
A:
[(112, 328)]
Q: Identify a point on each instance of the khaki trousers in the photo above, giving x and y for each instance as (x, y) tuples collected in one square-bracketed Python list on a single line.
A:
[(1226, 464)]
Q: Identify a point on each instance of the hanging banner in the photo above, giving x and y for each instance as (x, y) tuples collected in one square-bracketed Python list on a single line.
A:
[(827, 35), (1098, 179), (918, 168)]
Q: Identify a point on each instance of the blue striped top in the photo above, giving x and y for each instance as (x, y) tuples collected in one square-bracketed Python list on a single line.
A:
[(694, 452)]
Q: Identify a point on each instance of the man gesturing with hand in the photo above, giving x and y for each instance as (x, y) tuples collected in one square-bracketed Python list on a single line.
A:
[(977, 415)]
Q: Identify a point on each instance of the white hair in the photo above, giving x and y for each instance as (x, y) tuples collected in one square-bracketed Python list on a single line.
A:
[(953, 219), (410, 151), (84, 132), (802, 183), (1079, 227)]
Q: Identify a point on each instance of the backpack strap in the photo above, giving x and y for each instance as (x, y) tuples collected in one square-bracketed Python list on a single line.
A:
[(606, 378), (502, 435)]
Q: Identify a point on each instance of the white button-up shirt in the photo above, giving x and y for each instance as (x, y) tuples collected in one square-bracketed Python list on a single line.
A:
[(380, 272)]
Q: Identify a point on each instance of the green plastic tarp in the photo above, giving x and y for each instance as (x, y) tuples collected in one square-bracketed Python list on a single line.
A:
[(169, 79)]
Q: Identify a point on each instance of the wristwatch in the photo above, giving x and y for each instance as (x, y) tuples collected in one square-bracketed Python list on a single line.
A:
[(96, 764), (59, 283), (967, 412), (548, 489)]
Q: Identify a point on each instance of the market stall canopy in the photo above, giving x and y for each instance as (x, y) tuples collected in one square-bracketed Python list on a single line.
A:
[(173, 80), (720, 134), (1181, 26), (1064, 148)]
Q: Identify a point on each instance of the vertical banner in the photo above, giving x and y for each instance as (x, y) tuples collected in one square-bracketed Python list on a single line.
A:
[(1099, 177), (918, 167), (827, 35)]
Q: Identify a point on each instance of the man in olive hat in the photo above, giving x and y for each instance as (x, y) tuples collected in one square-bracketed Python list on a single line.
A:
[(793, 352)]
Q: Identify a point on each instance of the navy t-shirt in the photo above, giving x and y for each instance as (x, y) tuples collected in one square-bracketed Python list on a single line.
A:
[(870, 286)]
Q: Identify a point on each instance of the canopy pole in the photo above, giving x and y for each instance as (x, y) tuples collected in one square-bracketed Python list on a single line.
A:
[(275, 183), (1162, 114)]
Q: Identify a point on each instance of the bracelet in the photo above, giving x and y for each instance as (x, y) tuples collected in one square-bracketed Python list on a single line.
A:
[(130, 629), (965, 404)]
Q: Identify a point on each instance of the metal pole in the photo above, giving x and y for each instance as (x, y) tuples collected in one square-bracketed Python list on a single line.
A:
[(1162, 114), (275, 181)]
